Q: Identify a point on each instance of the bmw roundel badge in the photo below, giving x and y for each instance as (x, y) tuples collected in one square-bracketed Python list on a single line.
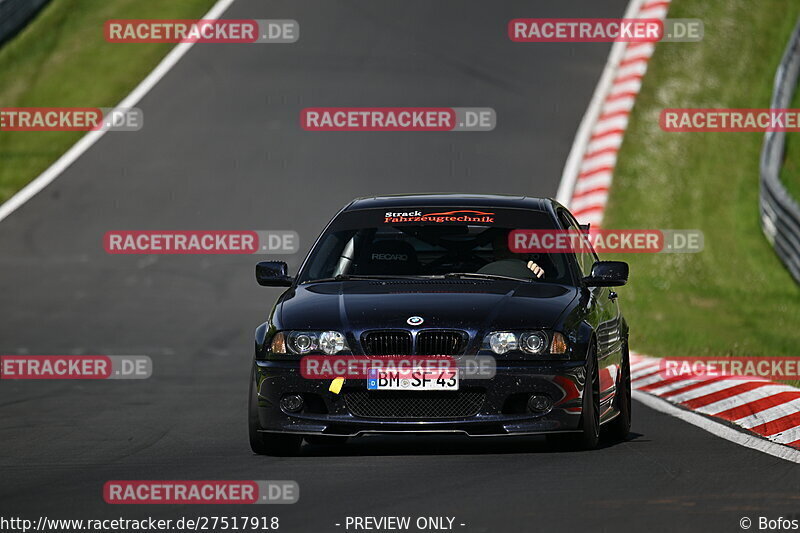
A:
[(414, 320)]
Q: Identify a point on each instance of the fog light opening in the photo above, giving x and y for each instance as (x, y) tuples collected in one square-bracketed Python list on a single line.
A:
[(291, 403), (539, 403)]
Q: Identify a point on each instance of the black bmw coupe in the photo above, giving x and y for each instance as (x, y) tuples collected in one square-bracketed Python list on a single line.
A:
[(434, 275)]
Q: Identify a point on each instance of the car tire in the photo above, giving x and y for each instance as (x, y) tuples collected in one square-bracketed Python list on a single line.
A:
[(620, 427), (589, 435), (588, 438), (275, 444)]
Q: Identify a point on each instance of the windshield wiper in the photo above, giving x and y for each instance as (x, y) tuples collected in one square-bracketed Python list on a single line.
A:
[(480, 275), (351, 277)]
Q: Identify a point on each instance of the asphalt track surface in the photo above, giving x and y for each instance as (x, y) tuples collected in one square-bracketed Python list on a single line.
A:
[(222, 149)]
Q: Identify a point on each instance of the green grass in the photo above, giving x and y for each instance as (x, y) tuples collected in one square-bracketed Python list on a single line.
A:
[(735, 297), (62, 59)]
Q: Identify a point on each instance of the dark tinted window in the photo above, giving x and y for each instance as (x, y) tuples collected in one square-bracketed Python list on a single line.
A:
[(585, 257), (431, 242)]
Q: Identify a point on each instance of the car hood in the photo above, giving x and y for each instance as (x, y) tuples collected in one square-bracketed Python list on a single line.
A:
[(462, 304)]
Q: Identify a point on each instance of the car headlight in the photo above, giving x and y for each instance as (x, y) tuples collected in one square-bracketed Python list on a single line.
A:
[(302, 342), (534, 342), (530, 342), (307, 342), (332, 342), (502, 341)]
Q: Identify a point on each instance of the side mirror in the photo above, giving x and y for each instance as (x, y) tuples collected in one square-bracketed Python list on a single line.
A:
[(607, 274), (273, 274)]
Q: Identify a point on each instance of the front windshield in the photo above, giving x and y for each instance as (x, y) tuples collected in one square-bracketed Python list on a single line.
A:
[(372, 243)]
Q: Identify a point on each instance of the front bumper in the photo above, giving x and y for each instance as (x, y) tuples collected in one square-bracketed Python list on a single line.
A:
[(502, 410)]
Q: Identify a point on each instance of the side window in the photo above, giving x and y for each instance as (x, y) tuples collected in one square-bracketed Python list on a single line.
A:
[(585, 258), (329, 250)]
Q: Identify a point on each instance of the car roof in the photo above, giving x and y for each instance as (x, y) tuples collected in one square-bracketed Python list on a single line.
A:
[(456, 200)]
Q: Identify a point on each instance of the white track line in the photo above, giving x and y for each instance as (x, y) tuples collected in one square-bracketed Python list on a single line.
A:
[(77, 149), (720, 430), (582, 137)]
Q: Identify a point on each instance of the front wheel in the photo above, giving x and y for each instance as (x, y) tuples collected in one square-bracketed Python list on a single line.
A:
[(619, 428), (589, 426), (277, 444)]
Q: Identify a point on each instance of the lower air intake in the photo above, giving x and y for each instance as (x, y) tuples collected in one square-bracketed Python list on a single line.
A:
[(421, 404)]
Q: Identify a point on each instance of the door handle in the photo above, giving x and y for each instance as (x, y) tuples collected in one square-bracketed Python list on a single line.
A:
[(612, 295)]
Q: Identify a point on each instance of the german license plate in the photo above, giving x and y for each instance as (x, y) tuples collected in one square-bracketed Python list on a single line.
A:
[(415, 379)]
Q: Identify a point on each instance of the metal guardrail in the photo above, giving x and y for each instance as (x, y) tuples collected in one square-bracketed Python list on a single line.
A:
[(780, 213), (14, 14)]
